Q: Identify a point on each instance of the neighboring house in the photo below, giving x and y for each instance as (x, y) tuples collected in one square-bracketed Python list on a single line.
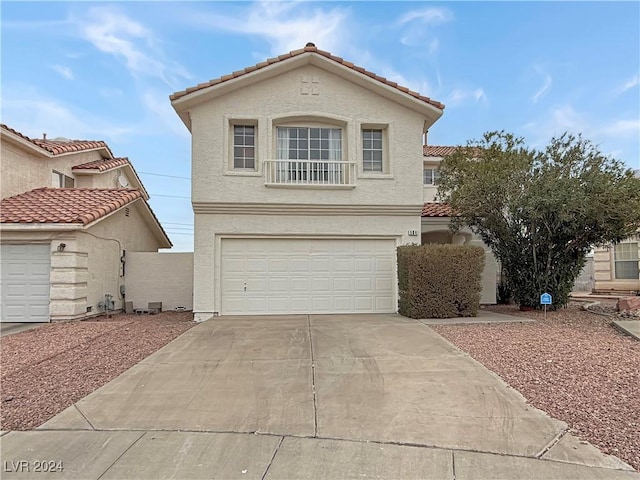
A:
[(617, 267), (69, 213), (307, 174), (436, 218)]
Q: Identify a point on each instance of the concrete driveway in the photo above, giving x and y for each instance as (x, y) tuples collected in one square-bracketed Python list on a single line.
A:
[(338, 396)]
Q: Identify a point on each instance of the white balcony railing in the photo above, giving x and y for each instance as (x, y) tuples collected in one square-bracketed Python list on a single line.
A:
[(309, 172)]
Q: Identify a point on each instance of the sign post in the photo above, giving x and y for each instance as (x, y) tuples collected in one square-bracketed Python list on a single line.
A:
[(545, 299)]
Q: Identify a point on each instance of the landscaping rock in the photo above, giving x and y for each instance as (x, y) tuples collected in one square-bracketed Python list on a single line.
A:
[(628, 304)]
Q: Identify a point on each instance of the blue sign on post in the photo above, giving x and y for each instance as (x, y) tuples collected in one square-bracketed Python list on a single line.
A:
[(545, 299)]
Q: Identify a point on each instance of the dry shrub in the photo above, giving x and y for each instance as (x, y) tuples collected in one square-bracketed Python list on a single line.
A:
[(440, 281)]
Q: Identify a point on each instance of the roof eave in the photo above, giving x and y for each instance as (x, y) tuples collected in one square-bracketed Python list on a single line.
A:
[(40, 227), (184, 103)]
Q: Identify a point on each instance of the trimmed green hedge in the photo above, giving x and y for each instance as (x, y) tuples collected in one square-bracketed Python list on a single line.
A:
[(439, 281)]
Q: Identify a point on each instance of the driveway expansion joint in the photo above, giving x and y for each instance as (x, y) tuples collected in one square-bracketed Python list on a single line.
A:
[(275, 452), (121, 455), (75, 405), (552, 443), (313, 379)]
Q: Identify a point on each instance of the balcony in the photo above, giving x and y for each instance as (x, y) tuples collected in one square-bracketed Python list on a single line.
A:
[(310, 173)]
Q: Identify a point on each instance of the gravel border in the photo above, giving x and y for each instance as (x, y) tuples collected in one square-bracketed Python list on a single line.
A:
[(574, 365), (47, 369)]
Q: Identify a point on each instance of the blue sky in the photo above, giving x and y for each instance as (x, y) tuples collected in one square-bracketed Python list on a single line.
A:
[(104, 71)]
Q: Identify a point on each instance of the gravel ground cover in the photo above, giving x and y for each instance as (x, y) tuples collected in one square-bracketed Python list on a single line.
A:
[(574, 365), (47, 369)]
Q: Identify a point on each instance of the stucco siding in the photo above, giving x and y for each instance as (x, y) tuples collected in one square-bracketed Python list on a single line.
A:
[(274, 101), (160, 277), (23, 171), (104, 243), (210, 229)]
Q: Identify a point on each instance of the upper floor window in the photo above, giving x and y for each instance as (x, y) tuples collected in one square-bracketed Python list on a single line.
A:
[(309, 143), (244, 147), (372, 150), (60, 180), (431, 176), (626, 261)]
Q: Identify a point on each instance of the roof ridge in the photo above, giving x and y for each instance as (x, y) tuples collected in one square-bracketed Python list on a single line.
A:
[(58, 147), (309, 48)]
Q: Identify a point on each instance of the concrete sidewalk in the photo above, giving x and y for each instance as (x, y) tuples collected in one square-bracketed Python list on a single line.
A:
[(334, 396), (630, 327)]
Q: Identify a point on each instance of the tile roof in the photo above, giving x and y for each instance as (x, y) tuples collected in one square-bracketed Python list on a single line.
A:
[(434, 209), (103, 164), (437, 151), (309, 48), (65, 205), (59, 147)]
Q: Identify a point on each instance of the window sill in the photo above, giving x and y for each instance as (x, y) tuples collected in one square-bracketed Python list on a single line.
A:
[(241, 173), (376, 176)]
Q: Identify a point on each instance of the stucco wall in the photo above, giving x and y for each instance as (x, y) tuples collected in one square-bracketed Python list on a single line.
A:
[(104, 243), (211, 228), (22, 170), (489, 275), (107, 179), (160, 277), (340, 103)]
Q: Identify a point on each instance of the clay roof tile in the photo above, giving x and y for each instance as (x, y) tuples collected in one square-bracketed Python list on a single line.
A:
[(65, 205), (309, 48)]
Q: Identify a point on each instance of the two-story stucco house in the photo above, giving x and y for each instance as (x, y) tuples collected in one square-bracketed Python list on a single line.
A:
[(307, 174), (69, 213)]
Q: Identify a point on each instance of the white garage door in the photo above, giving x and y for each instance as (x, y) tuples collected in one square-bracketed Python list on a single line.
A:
[(25, 283), (274, 276)]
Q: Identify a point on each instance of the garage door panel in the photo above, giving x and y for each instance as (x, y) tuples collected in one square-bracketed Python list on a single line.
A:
[(307, 276), (299, 265), (278, 285), (278, 265), (383, 284), (363, 265), (321, 264), (25, 271), (233, 265), (363, 284), (279, 304), (343, 284), (384, 303), (300, 284), (321, 285)]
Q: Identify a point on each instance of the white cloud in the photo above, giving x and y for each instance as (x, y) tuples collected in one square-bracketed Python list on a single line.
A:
[(615, 137), (428, 16), (112, 32), (284, 26), (622, 128), (66, 72), (418, 31), (546, 86), (157, 103), (31, 113), (461, 96), (629, 84)]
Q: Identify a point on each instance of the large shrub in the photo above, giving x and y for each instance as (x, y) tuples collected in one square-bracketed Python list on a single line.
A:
[(439, 281)]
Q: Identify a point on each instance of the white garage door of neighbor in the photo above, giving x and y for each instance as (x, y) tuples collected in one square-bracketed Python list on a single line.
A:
[(25, 283), (277, 276)]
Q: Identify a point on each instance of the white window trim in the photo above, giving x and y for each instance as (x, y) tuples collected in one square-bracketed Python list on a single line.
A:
[(387, 168), (613, 259), (229, 122)]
